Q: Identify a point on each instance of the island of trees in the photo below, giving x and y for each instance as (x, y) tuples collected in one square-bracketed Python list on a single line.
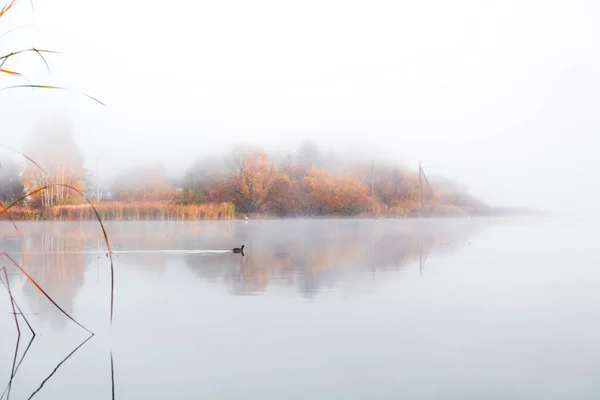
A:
[(246, 182)]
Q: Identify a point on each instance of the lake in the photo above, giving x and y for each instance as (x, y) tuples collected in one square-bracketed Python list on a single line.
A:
[(502, 308)]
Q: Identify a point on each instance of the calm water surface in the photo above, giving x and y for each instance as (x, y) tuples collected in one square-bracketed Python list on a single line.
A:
[(415, 309)]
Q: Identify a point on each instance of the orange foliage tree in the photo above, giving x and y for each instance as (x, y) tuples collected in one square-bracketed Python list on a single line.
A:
[(327, 194), (253, 182), (305, 182)]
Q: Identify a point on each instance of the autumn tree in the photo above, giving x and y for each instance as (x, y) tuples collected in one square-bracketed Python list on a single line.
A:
[(51, 145), (285, 199), (143, 183), (253, 182), (325, 193), (11, 181)]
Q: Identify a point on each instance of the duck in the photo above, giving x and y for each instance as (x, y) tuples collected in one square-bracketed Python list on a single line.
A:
[(239, 250)]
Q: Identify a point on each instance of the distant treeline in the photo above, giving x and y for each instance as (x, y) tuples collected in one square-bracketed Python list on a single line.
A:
[(247, 181)]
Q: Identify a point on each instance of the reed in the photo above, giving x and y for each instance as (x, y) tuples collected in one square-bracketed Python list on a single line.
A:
[(399, 210), (165, 211), (412, 209), (59, 365), (26, 213), (97, 217), (12, 300), (44, 292), (124, 211), (15, 308)]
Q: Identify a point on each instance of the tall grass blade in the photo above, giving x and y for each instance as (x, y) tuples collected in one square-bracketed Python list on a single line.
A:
[(14, 73), (23, 155), (6, 71), (5, 57), (8, 32), (51, 87), (39, 53), (7, 7), (27, 50)]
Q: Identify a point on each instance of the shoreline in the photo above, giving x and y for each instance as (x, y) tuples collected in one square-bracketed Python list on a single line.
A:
[(226, 212)]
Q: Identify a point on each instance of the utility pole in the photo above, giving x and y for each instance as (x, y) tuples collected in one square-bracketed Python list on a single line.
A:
[(420, 185), (372, 175), (97, 181)]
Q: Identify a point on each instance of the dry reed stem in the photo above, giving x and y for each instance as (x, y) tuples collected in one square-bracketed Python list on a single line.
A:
[(7, 7), (3, 60), (112, 374), (12, 374), (58, 366), (51, 87), (12, 300), (39, 52), (9, 385), (43, 291), (23, 155), (19, 309), (16, 369)]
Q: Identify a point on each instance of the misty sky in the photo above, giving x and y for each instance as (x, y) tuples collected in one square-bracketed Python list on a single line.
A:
[(501, 95)]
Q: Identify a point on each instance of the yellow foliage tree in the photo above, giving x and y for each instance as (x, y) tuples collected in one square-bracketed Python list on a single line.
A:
[(253, 182), (326, 194)]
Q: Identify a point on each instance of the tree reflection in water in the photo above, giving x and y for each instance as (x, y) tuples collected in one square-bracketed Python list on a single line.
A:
[(56, 261), (301, 256), (313, 255)]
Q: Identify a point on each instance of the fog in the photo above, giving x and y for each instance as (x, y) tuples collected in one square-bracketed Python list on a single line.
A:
[(502, 96)]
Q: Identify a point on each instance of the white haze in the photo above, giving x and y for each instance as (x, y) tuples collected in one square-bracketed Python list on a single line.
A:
[(501, 95)]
